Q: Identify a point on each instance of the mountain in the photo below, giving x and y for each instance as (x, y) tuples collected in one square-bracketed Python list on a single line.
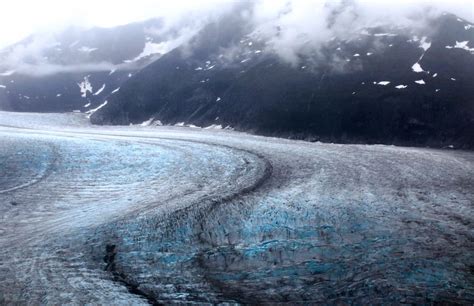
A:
[(382, 85), (75, 70), (404, 84)]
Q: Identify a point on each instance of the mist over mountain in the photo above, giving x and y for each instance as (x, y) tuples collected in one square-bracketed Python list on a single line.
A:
[(342, 71), (75, 69)]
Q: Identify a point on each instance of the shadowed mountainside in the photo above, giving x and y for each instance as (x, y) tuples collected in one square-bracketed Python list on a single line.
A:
[(384, 85)]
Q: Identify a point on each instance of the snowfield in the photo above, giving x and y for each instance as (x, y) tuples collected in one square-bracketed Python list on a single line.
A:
[(140, 215)]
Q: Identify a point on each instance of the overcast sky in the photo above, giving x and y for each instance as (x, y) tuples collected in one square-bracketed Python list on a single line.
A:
[(19, 18)]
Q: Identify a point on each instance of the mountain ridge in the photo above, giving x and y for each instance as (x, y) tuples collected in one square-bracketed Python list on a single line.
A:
[(391, 88), (381, 84)]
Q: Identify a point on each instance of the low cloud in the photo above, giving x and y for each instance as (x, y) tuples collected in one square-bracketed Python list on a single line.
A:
[(295, 27), (290, 28)]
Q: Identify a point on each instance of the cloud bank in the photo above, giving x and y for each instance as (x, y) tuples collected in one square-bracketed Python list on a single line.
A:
[(290, 27)]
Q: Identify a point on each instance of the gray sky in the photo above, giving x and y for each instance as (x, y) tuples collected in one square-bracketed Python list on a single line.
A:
[(20, 18)]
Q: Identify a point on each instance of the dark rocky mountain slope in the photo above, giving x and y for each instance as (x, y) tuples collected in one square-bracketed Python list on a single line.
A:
[(383, 85)]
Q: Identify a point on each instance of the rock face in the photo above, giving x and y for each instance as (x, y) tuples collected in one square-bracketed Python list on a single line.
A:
[(388, 85)]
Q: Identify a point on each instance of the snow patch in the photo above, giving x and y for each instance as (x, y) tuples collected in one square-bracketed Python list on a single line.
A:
[(115, 90), (87, 105), (85, 87), (218, 99), (58, 95), (100, 90), (421, 82), (153, 48), (214, 127), (92, 111), (424, 44), (356, 55), (401, 86), (148, 122), (463, 45), (435, 75), (369, 53), (417, 68), (383, 83), (3, 86), (469, 26)]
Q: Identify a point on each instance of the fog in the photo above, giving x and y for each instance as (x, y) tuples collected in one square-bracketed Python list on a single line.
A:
[(288, 26)]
